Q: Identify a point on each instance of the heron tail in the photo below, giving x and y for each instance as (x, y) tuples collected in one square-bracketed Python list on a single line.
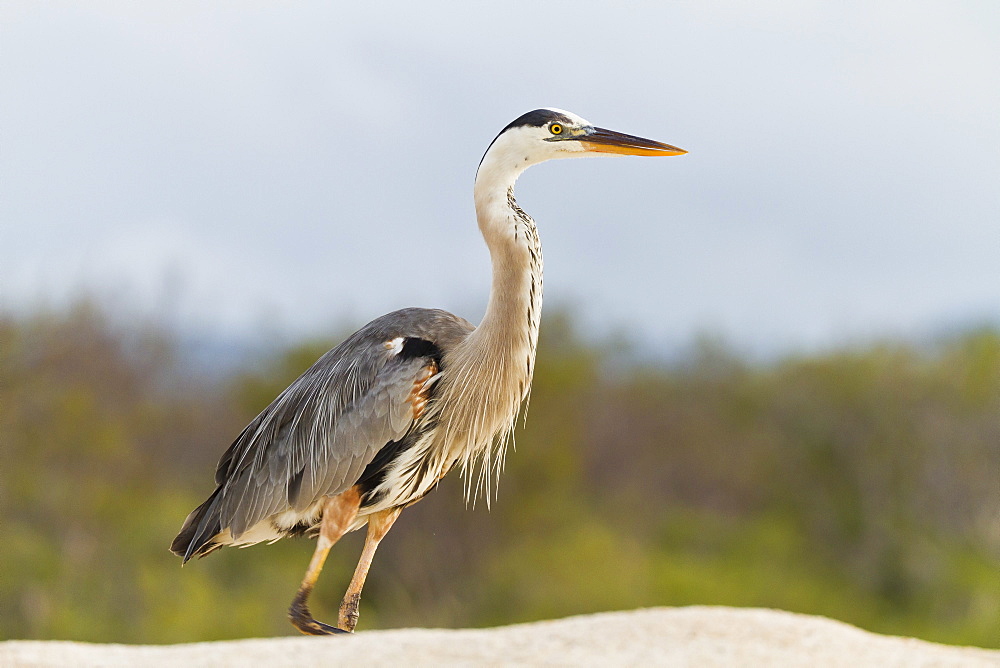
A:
[(200, 527)]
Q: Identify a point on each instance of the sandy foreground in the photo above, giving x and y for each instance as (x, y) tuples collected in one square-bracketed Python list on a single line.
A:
[(694, 636)]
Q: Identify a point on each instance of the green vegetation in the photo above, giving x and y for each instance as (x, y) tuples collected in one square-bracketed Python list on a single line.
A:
[(862, 484)]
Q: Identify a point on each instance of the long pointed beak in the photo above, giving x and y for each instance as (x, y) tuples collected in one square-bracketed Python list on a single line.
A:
[(609, 141)]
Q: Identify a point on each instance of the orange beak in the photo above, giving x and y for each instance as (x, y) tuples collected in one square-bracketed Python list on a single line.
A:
[(609, 141)]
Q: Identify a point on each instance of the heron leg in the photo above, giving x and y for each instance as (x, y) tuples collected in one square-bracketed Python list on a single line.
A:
[(338, 514), (378, 526)]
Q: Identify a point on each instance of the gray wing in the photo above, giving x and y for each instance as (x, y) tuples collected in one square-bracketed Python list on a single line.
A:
[(316, 438)]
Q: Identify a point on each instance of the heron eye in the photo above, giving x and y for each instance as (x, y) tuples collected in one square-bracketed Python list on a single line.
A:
[(555, 129)]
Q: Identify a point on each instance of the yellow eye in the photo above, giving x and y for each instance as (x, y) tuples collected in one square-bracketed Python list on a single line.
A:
[(555, 129)]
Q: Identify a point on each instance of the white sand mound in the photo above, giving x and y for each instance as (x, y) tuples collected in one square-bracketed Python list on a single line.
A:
[(695, 636)]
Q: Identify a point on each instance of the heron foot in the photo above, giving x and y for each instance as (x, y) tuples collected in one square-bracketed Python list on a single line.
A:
[(302, 620), (311, 627)]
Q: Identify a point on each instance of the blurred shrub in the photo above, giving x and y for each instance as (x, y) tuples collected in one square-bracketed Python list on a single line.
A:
[(860, 484)]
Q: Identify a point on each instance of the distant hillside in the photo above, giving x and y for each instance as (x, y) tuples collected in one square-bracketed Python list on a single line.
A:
[(859, 484)]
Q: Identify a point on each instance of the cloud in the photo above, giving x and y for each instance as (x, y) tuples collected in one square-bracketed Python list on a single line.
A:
[(316, 161)]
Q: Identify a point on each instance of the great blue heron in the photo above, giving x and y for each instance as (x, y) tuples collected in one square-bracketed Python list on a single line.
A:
[(375, 423)]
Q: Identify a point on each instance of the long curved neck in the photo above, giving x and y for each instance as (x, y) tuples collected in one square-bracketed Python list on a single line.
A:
[(489, 372), (509, 328)]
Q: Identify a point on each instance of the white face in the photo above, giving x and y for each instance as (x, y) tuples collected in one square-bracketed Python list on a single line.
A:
[(520, 147)]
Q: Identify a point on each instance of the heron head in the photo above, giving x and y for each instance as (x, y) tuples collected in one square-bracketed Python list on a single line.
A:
[(546, 134)]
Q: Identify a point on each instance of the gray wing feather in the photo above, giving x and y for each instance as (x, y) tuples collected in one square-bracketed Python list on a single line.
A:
[(316, 438)]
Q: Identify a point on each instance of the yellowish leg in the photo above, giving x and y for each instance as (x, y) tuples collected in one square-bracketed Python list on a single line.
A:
[(338, 514), (378, 526)]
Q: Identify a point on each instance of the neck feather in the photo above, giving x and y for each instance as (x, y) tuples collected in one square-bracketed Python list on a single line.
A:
[(491, 369), (510, 325)]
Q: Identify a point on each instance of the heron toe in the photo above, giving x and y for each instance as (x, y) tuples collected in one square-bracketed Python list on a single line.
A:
[(315, 628), (309, 626)]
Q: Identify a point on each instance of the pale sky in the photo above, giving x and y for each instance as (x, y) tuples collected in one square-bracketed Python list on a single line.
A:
[(287, 167)]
